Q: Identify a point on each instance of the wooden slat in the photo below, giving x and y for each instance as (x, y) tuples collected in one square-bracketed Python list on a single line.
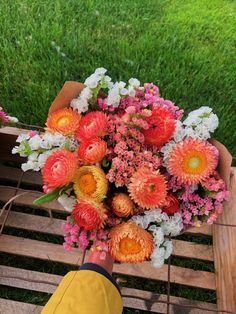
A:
[(224, 243), (10, 307), (55, 252), (145, 300), (53, 226), (180, 275), (39, 249), (10, 174), (193, 250), (27, 199), (132, 298), (28, 279), (33, 223), (204, 230)]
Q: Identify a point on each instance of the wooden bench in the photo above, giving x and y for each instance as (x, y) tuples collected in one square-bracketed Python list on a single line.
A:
[(223, 251)]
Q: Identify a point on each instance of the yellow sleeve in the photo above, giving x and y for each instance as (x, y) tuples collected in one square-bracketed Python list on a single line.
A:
[(90, 290)]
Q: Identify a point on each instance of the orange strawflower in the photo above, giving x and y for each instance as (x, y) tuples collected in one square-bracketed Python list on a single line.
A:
[(89, 214), (59, 169), (92, 150), (129, 243), (64, 121), (90, 181), (91, 125), (192, 160), (161, 127), (122, 205), (147, 188)]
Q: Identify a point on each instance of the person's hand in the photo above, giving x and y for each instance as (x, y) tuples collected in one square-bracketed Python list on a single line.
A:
[(101, 258)]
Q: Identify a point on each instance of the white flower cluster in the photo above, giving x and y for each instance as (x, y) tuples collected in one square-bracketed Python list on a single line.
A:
[(118, 89), (12, 119), (38, 147), (198, 124), (67, 201), (99, 80), (161, 225), (94, 81)]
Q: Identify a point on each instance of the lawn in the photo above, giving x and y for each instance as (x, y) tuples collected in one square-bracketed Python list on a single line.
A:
[(186, 47)]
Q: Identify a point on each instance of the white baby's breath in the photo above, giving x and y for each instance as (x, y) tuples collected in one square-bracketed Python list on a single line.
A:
[(67, 201)]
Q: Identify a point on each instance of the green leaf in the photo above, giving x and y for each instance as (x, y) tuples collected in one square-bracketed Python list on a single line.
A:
[(47, 197), (52, 195)]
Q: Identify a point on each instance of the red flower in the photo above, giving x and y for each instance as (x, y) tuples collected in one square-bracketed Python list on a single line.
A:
[(171, 205), (161, 127), (91, 125), (89, 214), (59, 169), (92, 150)]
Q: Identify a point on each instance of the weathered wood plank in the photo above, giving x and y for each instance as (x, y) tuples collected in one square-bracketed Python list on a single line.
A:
[(27, 279), (193, 250), (145, 300), (132, 298), (27, 199), (11, 174), (204, 230), (224, 244), (39, 249), (180, 275), (53, 226), (55, 252), (10, 307), (33, 223)]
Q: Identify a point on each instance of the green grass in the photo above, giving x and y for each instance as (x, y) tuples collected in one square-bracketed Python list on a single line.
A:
[(186, 47)]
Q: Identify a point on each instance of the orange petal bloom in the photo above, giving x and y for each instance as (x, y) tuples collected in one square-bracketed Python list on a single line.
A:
[(129, 243), (147, 188), (161, 127), (192, 160), (89, 214), (64, 121), (92, 150), (122, 205), (91, 125), (59, 169), (90, 181)]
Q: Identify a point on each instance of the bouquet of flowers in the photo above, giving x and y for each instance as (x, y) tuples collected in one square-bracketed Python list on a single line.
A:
[(129, 169)]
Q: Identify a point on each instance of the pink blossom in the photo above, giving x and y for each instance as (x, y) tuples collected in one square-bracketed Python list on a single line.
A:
[(67, 246), (32, 133), (46, 189), (152, 89), (3, 118)]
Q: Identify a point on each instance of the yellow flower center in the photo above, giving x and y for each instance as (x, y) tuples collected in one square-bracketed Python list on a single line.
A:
[(87, 184), (194, 163), (63, 121), (129, 246)]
